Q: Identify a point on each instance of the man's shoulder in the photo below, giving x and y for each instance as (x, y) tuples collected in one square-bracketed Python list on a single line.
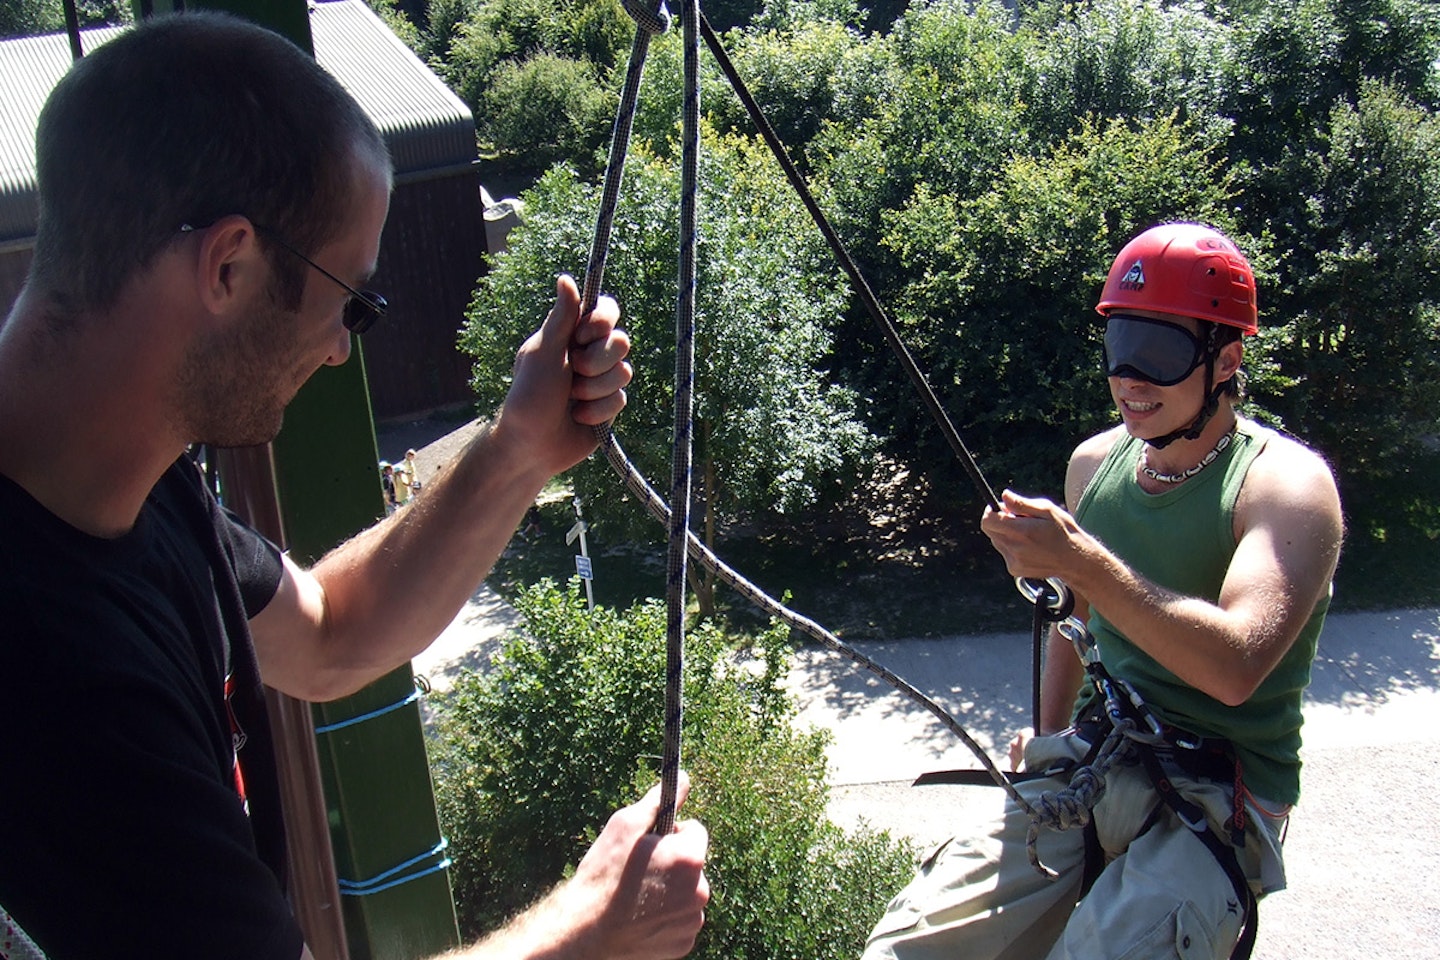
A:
[(1289, 462), (1288, 477), (1097, 447), (1085, 461)]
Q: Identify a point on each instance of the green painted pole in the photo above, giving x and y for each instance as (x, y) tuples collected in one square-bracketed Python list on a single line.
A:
[(378, 795), (377, 779)]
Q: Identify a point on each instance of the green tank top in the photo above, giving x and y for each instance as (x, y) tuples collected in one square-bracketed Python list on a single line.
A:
[(1183, 539)]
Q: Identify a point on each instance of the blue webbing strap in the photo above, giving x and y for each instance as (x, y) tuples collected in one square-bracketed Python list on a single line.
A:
[(380, 712), (393, 877)]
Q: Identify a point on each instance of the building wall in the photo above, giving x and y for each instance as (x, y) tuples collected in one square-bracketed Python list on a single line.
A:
[(431, 254)]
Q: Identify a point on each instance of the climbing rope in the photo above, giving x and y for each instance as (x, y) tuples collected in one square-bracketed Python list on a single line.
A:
[(1052, 600), (649, 22)]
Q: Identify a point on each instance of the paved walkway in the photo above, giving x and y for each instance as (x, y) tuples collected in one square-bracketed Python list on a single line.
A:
[(1363, 852)]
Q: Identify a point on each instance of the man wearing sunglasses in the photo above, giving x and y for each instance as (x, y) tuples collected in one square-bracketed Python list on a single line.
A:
[(1199, 547), (211, 206)]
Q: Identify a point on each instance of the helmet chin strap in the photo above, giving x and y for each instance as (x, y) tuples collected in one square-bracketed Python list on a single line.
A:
[(1207, 410)]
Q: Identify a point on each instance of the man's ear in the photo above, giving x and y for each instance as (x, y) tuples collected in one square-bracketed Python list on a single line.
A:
[(230, 264), (1228, 361)]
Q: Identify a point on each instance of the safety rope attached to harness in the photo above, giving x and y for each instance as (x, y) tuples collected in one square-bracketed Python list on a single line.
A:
[(1052, 599), (650, 22)]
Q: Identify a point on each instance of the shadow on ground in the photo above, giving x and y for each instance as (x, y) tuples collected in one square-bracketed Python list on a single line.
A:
[(1369, 658)]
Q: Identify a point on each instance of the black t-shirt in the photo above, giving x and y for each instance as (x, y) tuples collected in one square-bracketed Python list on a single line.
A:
[(122, 833)]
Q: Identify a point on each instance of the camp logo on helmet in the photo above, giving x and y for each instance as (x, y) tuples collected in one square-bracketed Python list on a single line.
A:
[(1134, 278)]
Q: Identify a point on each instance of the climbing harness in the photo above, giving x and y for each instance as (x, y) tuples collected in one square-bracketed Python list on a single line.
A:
[(1128, 730), (1132, 726)]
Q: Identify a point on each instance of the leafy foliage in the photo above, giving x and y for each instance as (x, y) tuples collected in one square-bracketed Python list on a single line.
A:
[(1118, 59), (983, 164), (794, 77), (534, 74), (1006, 281), (28, 18), (772, 431), (1335, 111), (1372, 300), (545, 109), (394, 17), (532, 755)]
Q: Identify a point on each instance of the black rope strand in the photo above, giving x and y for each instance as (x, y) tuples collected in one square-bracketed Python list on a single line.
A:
[(679, 525), (857, 279), (658, 508), (648, 22), (655, 21)]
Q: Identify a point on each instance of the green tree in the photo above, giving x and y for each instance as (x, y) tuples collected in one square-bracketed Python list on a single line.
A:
[(1335, 106), (545, 110), (771, 431), (531, 757), (802, 76), (398, 21), (28, 18), (536, 75), (443, 19), (1114, 59), (946, 115), (1359, 341), (1002, 307)]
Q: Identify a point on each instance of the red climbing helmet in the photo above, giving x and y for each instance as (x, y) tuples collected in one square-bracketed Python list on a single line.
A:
[(1185, 269)]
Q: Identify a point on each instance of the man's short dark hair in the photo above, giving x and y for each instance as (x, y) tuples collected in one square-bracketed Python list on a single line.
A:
[(185, 119), (1217, 336)]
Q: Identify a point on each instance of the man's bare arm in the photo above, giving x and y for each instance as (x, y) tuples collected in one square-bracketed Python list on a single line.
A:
[(330, 630)]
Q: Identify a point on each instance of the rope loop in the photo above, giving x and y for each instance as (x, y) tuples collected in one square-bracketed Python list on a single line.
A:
[(1051, 593), (1073, 806), (653, 21), (1069, 808), (379, 712)]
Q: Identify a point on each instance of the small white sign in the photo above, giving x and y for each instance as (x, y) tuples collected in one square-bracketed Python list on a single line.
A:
[(575, 532), (582, 567)]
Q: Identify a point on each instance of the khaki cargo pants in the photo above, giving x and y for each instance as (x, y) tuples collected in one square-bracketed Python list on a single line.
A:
[(1162, 894)]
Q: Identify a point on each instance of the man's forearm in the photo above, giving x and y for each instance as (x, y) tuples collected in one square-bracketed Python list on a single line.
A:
[(417, 568), (547, 930)]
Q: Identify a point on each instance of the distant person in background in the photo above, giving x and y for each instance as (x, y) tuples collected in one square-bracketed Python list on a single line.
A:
[(387, 486), (412, 470), (532, 522), (402, 485), (1200, 547)]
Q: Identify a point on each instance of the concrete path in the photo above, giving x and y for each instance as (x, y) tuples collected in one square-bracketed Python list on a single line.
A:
[(1363, 851)]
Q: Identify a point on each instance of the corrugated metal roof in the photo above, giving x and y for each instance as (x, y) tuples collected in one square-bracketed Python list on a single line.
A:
[(29, 69), (425, 125)]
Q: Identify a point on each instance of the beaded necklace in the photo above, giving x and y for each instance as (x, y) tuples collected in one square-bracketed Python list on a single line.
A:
[(1189, 472)]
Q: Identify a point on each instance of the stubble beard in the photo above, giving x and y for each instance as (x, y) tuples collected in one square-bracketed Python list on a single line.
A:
[(235, 386)]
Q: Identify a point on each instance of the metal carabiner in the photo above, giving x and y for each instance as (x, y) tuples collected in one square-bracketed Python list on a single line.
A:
[(1052, 591), (1074, 630), (1142, 709)]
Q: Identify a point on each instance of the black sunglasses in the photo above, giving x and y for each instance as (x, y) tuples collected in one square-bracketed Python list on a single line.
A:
[(362, 310)]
